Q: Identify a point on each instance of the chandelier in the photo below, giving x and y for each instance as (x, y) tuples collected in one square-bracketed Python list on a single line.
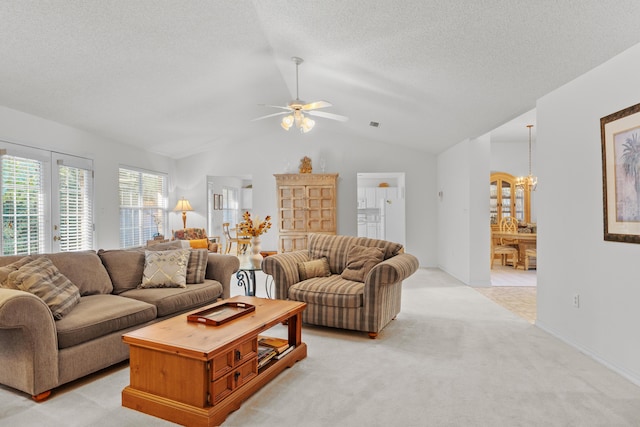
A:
[(528, 181)]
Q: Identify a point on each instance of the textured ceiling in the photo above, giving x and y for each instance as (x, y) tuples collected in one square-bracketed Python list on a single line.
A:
[(177, 77)]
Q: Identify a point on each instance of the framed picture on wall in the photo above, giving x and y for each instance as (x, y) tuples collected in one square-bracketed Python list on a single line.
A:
[(620, 133), (217, 202)]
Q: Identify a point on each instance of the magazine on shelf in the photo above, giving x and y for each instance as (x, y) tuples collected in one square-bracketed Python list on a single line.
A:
[(280, 344), (265, 354)]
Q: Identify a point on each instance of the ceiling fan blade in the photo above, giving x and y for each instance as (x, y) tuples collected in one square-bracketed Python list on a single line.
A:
[(270, 115), (328, 115), (316, 105), (275, 106)]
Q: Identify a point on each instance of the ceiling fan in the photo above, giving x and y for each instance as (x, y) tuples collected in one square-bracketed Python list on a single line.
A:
[(297, 109)]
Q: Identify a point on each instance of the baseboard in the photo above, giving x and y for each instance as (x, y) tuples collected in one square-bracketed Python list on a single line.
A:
[(635, 379)]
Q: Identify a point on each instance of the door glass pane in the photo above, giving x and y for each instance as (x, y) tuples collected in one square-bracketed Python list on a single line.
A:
[(22, 206), (506, 199), (76, 208)]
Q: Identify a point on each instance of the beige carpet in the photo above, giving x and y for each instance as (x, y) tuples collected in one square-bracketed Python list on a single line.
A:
[(451, 358)]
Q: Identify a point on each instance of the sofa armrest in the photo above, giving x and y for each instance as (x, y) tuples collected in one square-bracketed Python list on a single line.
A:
[(28, 343), (393, 270), (221, 267), (284, 269)]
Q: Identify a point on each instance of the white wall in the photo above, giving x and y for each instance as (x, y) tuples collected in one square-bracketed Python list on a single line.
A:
[(268, 154), (463, 211), (107, 156), (573, 256), (512, 157)]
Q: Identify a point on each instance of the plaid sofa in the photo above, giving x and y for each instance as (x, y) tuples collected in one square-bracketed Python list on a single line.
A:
[(336, 302)]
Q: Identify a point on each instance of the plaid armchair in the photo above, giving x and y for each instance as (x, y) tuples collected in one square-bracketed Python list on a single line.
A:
[(194, 234), (333, 300)]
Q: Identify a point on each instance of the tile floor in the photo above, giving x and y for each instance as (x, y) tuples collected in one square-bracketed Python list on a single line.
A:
[(513, 289)]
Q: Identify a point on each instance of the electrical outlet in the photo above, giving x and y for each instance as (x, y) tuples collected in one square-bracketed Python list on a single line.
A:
[(576, 300)]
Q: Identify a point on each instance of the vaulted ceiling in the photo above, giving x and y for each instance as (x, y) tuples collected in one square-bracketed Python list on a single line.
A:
[(180, 76)]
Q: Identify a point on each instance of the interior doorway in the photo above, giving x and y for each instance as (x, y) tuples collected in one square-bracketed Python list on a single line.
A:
[(381, 206), (227, 198)]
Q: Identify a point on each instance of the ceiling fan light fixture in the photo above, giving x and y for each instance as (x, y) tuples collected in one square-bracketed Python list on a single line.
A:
[(287, 122), (297, 106), (307, 125)]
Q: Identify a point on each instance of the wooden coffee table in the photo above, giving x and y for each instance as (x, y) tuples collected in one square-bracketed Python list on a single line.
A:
[(196, 374)]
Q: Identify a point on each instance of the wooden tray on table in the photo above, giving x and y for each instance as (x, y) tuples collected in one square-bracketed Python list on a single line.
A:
[(222, 313)]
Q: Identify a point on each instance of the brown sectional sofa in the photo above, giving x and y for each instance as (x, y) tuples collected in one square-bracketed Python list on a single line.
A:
[(38, 353)]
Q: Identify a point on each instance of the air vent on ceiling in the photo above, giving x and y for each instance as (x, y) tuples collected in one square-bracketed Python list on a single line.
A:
[(374, 124)]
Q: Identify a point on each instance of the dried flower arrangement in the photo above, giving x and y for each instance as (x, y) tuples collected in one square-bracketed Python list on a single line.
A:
[(254, 227)]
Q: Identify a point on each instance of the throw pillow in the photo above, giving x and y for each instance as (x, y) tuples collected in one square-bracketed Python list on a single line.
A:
[(165, 269), (43, 279), (197, 266), (360, 260), (199, 243), (7, 269), (314, 268)]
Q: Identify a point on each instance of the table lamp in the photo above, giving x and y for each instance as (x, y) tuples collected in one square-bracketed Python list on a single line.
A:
[(184, 206)]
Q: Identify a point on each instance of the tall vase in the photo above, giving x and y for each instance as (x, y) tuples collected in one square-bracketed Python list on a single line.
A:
[(256, 258)]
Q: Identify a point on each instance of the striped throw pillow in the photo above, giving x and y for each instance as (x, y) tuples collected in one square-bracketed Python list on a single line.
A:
[(43, 279)]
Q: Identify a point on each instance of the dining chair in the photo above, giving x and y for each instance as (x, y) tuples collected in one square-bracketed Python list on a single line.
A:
[(241, 239), (530, 253), (504, 246)]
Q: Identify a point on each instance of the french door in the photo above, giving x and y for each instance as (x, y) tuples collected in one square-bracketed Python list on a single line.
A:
[(47, 201)]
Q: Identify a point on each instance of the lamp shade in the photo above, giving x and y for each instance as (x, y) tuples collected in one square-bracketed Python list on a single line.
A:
[(183, 205)]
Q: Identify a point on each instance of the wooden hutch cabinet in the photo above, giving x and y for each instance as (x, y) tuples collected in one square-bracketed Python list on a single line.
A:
[(507, 200), (306, 204)]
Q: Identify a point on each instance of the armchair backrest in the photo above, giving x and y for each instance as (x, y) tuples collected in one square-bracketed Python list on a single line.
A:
[(336, 248), (190, 234)]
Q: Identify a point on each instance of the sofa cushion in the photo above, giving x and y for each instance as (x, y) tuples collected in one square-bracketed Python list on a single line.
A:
[(43, 279), (165, 269), (333, 291), (99, 315), (197, 266), (85, 270), (125, 267), (173, 244), (314, 268), (360, 260), (14, 266), (174, 300)]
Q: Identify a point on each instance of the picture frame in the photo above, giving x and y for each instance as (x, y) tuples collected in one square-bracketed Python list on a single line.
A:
[(217, 202), (620, 138)]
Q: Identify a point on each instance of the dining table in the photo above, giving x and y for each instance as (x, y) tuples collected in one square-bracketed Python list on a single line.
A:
[(522, 240)]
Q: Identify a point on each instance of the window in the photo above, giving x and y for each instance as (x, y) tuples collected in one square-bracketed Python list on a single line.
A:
[(75, 195), (230, 205), (143, 206), (23, 211), (47, 201)]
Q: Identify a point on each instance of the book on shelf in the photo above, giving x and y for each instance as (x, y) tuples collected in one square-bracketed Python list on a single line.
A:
[(284, 353), (265, 354), (280, 344)]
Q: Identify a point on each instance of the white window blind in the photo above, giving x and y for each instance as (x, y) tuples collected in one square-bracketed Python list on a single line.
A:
[(230, 205), (143, 206), (76, 204), (23, 210)]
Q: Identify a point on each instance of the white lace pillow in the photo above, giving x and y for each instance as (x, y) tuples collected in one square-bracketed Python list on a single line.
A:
[(165, 269)]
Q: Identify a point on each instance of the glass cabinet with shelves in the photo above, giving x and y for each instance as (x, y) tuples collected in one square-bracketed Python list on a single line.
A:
[(507, 200)]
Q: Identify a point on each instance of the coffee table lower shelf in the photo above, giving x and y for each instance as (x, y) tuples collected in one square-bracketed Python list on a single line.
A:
[(189, 415)]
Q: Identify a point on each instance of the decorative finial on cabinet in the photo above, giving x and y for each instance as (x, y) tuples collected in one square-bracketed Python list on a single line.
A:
[(305, 165)]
